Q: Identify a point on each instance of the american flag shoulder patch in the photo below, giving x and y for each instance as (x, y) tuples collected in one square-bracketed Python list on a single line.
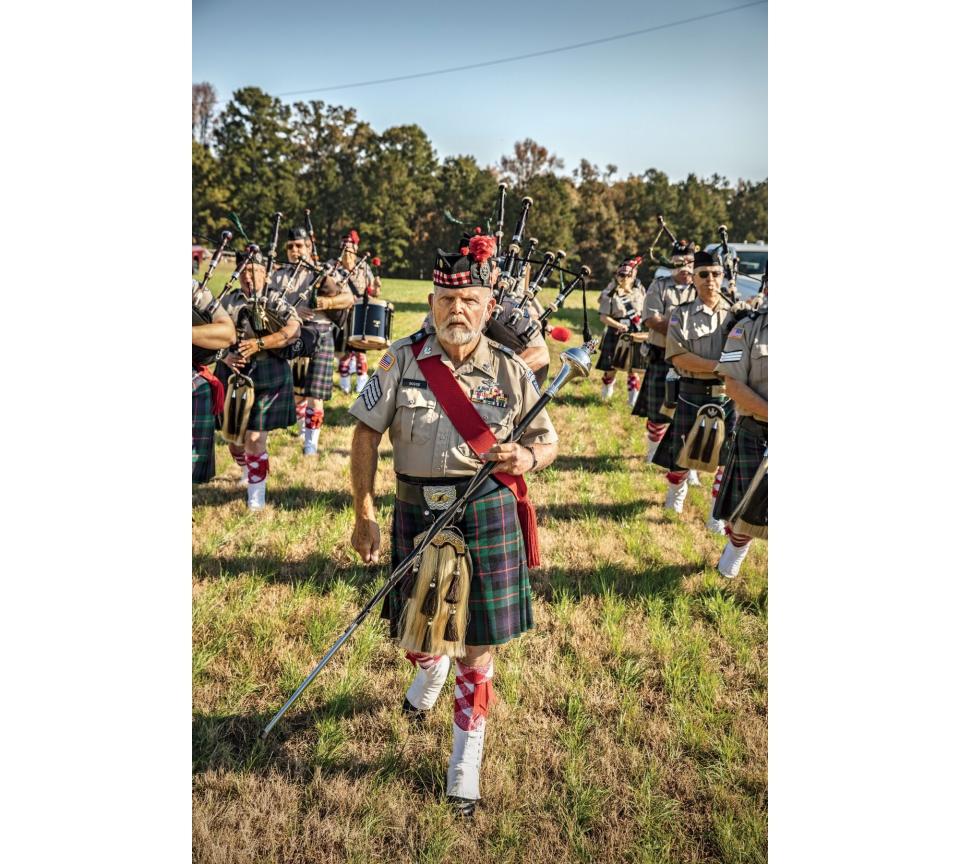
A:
[(736, 333), (371, 393), (386, 362), (730, 356)]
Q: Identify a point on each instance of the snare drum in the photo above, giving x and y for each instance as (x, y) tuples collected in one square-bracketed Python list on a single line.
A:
[(368, 327)]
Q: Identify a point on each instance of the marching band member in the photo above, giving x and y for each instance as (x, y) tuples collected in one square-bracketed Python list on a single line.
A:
[(447, 399), (312, 308), (272, 379), (695, 337), (621, 304), (207, 389), (355, 280), (743, 367), (663, 295)]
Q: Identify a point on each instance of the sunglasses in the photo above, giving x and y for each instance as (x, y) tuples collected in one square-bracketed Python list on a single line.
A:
[(706, 274)]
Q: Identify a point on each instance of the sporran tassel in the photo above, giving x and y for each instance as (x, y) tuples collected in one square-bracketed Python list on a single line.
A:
[(427, 646), (711, 440), (695, 452), (429, 605), (450, 631)]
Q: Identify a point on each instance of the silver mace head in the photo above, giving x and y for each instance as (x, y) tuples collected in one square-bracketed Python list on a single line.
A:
[(576, 363)]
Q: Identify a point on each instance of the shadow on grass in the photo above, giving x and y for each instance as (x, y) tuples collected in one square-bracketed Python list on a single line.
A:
[(572, 512), (283, 497), (234, 742), (321, 571), (660, 580)]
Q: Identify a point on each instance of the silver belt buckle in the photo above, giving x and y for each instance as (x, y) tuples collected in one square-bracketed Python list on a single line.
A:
[(439, 497)]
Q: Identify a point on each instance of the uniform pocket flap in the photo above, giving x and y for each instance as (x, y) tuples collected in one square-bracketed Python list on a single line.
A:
[(412, 397)]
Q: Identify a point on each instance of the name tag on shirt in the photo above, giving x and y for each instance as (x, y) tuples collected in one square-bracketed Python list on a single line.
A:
[(413, 382)]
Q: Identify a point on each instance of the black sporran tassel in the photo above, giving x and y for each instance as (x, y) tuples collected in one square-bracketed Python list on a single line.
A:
[(694, 451), (711, 440), (427, 646), (429, 605), (453, 592), (450, 631)]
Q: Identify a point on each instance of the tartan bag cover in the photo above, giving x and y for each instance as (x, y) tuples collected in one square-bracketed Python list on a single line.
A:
[(477, 434)]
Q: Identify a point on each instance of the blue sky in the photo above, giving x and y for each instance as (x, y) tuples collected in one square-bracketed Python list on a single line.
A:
[(686, 99)]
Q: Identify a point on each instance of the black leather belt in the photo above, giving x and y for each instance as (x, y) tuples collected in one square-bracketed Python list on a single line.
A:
[(698, 387), (438, 493), (756, 428)]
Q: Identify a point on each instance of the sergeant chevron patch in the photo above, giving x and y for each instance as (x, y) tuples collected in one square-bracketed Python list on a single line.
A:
[(371, 393), (731, 356)]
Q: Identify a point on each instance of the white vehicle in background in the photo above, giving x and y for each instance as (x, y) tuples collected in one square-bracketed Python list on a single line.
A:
[(752, 261)]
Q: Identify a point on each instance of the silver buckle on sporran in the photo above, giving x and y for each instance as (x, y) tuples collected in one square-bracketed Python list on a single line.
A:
[(439, 497)]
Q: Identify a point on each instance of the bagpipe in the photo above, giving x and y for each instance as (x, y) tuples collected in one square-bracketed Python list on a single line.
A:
[(655, 257), (731, 265), (575, 364), (203, 312)]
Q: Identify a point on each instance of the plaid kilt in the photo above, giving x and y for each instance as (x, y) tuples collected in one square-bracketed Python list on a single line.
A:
[(204, 463), (611, 358), (501, 601), (743, 460), (273, 406), (319, 381), (653, 389), (683, 421), (607, 347)]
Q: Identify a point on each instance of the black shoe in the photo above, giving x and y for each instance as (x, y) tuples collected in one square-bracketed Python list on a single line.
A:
[(415, 715), (463, 807)]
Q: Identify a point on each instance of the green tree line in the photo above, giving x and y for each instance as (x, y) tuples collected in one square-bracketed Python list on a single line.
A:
[(260, 155)]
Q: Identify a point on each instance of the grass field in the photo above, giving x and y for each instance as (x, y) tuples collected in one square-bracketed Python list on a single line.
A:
[(631, 724)]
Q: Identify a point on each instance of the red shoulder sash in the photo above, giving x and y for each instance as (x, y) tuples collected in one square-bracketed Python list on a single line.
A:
[(472, 428)]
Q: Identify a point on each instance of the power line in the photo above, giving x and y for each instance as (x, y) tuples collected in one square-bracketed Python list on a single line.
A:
[(526, 56)]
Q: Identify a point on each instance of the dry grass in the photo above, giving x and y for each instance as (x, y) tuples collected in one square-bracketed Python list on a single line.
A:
[(632, 721)]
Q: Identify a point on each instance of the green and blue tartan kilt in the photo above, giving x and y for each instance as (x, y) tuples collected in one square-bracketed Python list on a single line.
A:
[(319, 381), (743, 460), (501, 601), (653, 390), (683, 422), (273, 406), (608, 354), (204, 462)]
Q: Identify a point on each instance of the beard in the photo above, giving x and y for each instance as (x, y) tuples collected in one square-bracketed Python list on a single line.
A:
[(459, 335)]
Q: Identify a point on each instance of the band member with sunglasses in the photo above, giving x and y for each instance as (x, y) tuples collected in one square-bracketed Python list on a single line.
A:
[(663, 295), (315, 311), (696, 333), (621, 305), (743, 367)]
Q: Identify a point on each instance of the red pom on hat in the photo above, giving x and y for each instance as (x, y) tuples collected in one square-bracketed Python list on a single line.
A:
[(561, 334), (354, 236), (477, 230), (482, 247), (375, 262)]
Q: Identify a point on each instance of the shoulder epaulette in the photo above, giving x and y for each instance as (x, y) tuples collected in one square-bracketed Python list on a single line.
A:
[(412, 339), (501, 347)]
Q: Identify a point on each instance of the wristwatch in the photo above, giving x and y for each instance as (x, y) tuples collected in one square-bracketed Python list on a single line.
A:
[(260, 342)]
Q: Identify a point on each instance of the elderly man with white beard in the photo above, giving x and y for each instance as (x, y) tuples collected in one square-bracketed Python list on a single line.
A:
[(450, 399)]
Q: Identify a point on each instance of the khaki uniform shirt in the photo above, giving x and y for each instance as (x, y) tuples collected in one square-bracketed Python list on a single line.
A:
[(294, 290), (695, 329), (744, 356), (661, 298), (621, 305), (425, 442), (235, 300), (205, 299)]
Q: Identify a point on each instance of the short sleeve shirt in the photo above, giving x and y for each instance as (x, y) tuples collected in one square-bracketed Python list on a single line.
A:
[(745, 352), (203, 302), (621, 305), (294, 284), (425, 443), (661, 298), (697, 330), (235, 300)]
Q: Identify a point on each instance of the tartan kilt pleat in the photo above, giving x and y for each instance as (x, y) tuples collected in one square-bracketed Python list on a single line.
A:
[(743, 460), (319, 381), (683, 420), (652, 391), (204, 461), (273, 406), (607, 347), (501, 600)]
